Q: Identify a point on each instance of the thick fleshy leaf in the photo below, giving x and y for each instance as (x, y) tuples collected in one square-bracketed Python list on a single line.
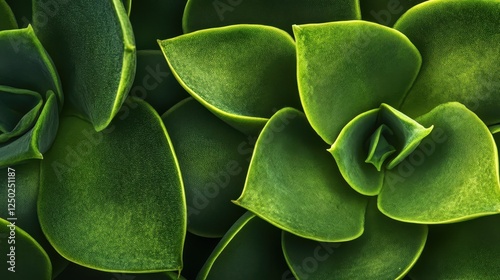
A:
[(27, 181), (36, 141), (7, 19), (76, 272), (249, 250), (294, 183), (385, 12), (153, 20), (374, 137), (467, 250), (450, 177), (22, 11), (94, 53), (155, 83), (386, 250), (21, 256), (26, 65), (243, 85), (456, 40), (355, 60), (213, 167), (200, 14), (123, 198)]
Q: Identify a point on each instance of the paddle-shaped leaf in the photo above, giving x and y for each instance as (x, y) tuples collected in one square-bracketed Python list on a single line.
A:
[(294, 183), (243, 85), (94, 53), (386, 250), (467, 250), (456, 40), (347, 68), (451, 176), (200, 14), (23, 258), (213, 167), (243, 253), (113, 200)]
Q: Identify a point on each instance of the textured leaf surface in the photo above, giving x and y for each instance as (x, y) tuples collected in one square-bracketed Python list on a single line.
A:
[(153, 20), (93, 47), (451, 176), (456, 40), (243, 85), (386, 250), (155, 83), (467, 250), (30, 260), (213, 167), (119, 197), (243, 253), (354, 60), (294, 183), (200, 14)]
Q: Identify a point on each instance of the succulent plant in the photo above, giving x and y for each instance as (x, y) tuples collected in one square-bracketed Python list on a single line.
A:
[(236, 139)]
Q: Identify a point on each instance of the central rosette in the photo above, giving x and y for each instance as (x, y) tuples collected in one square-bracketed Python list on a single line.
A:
[(372, 142)]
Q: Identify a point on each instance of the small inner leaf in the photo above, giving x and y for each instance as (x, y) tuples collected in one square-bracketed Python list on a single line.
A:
[(17, 105), (380, 149)]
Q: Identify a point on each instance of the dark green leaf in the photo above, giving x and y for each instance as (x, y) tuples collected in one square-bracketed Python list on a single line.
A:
[(294, 183), (117, 191), (93, 47)]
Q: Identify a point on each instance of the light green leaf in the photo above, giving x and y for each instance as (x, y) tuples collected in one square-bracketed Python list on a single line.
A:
[(153, 20), (450, 177), (127, 4), (200, 14), (460, 63), (295, 184), (214, 160), (93, 47), (29, 259), (114, 200), (155, 83), (242, 85), (386, 250), (467, 250), (7, 19), (249, 250), (385, 12), (342, 62)]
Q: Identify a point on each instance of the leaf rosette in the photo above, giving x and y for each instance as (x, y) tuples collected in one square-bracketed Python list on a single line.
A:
[(30, 97)]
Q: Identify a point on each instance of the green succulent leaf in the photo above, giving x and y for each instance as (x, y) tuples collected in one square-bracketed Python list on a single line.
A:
[(242, 85), (7, 19), (386, 250), (93, 51), (353, 60), (294, 183), (450, 177), (213, 166), (27, 181), (29, 260), (153, 20), (456, 40), (155, 83), (385, 12), (200, 14), (111, 204), (467, 250), (372, 137), (243, 253)]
